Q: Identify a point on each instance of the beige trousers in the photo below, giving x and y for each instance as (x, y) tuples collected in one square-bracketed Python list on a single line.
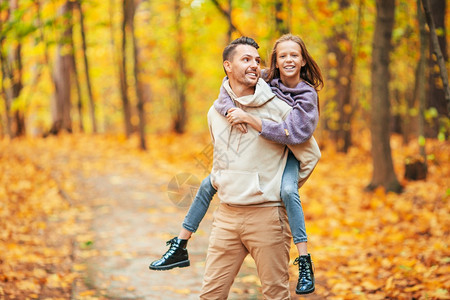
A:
[(237, 231)]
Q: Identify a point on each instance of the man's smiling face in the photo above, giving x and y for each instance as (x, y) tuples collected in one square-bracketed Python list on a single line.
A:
[(245, 66)]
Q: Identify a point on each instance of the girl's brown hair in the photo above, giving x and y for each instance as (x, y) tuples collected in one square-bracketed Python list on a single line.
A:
[(310, 72)]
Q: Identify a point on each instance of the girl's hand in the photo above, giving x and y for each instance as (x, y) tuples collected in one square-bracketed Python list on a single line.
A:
[(242, 127), (237, 118)]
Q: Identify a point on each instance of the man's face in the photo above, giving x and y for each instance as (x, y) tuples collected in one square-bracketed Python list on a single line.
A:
[(244, 67)]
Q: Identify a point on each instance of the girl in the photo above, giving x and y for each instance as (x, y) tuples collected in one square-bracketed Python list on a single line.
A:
[(294, 77)]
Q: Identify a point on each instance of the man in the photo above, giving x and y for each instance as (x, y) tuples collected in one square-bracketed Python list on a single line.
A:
[(247, 172)]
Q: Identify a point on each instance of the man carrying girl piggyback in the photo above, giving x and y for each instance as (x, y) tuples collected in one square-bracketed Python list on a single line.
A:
[(295, 78)]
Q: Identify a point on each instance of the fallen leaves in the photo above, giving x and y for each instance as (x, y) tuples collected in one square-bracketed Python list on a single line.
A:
[(364, 245), (36, 227), (380, 245)]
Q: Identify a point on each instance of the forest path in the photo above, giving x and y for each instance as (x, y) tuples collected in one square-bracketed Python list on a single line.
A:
[(131, 217)]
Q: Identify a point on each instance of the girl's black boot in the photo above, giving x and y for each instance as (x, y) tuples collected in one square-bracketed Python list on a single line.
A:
[(176, 257), (306, 282)]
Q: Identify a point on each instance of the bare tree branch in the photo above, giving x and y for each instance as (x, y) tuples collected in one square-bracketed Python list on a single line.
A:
[(227, 15)]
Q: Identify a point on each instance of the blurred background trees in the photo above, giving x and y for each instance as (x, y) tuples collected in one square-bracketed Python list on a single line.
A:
[(154, 67)]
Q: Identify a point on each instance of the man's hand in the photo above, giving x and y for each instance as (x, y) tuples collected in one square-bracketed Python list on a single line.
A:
[(236, 117)]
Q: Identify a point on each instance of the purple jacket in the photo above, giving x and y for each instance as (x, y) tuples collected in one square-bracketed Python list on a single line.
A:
[(301, 121)]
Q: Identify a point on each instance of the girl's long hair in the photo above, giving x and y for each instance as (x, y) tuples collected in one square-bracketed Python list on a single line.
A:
[(310, 72)]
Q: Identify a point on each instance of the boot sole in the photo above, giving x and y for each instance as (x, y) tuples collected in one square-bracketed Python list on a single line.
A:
[(181, 264), (305, 292)]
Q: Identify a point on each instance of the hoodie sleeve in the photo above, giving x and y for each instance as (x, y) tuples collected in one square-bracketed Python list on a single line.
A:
[(210, 125), (299, 124), (224, 102)]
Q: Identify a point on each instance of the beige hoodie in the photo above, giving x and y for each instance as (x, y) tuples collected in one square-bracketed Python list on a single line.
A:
[(247, 169)]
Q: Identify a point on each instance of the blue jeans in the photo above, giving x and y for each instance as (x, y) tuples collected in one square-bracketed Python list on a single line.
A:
[(289, 195), (291, 199), (200, 205)]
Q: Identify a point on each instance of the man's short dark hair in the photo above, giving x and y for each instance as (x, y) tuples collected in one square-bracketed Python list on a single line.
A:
[(228, 52)]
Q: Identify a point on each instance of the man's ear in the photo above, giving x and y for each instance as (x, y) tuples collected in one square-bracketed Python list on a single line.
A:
[(227, 66)]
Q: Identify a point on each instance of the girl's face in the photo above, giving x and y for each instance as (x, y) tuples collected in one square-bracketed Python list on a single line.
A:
[(289, 60)]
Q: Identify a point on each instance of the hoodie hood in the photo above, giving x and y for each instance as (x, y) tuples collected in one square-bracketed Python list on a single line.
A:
[(263, 93)]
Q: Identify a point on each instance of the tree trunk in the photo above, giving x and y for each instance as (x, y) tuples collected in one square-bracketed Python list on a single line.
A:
[(123, 69), (19, 122), (383, 169), (180, 81), (76, 78), (416, 167), (139, 84), (436, 93), (421, 93), (61, 77), (86, 67), (289, 16), (116, 53), (41, 27), (439, 92), (5, 91), (16, 62), (280, 21), (77, 83), (39, 65), (341, 83), (12, 69), (230, 21)]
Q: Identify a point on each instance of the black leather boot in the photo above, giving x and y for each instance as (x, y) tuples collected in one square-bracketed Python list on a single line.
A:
[(176, 256), (305, 283)]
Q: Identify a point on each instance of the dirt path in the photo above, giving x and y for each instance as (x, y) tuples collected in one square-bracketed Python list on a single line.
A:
[(132, 218)]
